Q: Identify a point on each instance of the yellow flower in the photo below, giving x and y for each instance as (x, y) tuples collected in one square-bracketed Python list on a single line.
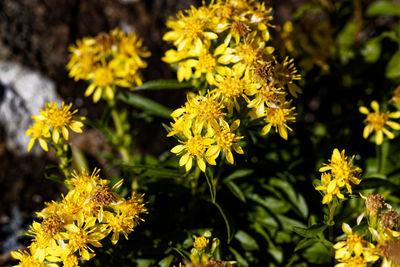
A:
[(231, 84), (343, 171), (192, 31), (40, 130), (82, 59), (60, 119), (354, 245), (285, 73), (206, 63), (83, 233), (330, 187), (376, 122), (26, 259), (265, 96), (278, 118), (197, 113), (200, 242), (225, 140), (194, 148), (104, 80)]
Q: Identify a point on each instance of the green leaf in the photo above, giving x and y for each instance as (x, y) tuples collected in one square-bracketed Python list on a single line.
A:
[(346, 39), (310, 232), (240, 259), (383, 8), (317, 254), (393, 67), (236, 190), (239, 174), (146, 104), (166, 262), (163, 85), (246, 240), (372, 50), (306, 242)]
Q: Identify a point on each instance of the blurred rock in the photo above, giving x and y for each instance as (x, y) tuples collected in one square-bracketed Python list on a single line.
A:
[(22, 93)]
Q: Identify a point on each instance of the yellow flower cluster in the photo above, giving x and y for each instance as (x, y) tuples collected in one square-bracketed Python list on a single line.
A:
[(52, 123), (385, 237), (201, 254), (376, 122), (106, 61), (355, 250), (79, 221), (339, 172), (223, 47)]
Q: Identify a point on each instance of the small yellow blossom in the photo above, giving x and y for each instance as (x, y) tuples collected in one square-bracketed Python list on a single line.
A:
[(40, 130), (342, 171), (278, 118), (225, 140), (200, 242), (330, 187), (376, 122), (354, 246)]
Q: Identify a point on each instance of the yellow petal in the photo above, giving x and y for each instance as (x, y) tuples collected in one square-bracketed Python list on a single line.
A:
[(379, 138), (184, 159), (363, 110), (201, 164), (177, 149), (56, 136), (97, 94), (375, 106)]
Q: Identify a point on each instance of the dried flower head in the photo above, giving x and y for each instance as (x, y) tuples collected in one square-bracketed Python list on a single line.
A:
[(374, 203), (390, 219)]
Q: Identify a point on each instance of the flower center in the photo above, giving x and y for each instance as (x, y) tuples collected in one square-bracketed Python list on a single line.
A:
[(377, 120), (195, 146), (248, 54), (193, 27), (103, 77), (240, 28), (58, 117), (225, 138), (206, 62), (231, 87), (200, 242), (103, 196), (52, 225)]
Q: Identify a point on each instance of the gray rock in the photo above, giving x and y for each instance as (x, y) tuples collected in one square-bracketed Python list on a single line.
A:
[(22, 93)]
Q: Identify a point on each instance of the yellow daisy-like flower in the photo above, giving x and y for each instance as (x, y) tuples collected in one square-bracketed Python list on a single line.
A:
[(200, 242), (83, 233), (194, 148), (343, 171), (231, 84), (40, 130), (376, 122), (26, 259), (82, 58), (278, 118), (60, 119), (354, 245), (225, 140), (265, 96), (192, 31), (330, 187)]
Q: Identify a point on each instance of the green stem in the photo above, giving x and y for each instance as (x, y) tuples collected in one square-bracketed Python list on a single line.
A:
[(120, 133), (62, 151), (332, 208)]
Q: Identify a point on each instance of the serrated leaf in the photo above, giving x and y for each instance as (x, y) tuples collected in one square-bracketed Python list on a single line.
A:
[(163, 84), (247, 241), (393, 67), (383, 8), (146, 104), (310, 232)]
